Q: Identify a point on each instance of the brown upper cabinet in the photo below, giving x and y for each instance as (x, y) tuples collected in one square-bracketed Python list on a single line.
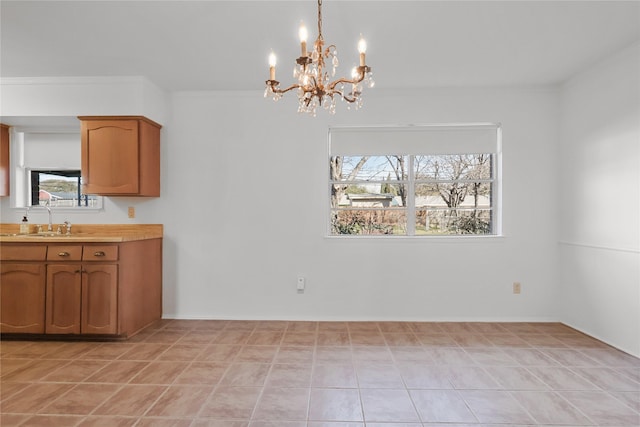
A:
[(120, 156), (4, 160)]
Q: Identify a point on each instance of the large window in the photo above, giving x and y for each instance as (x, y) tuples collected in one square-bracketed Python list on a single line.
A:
[(414, 181)]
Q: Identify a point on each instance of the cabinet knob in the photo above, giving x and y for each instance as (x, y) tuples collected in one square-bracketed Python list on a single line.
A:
[(63, 254), (99, 253)]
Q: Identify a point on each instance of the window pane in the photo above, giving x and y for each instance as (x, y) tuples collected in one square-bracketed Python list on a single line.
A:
[(453, 167), (453, 221), (369, 221), (368, 181), (453, 195), (59, 188), (369, 168)]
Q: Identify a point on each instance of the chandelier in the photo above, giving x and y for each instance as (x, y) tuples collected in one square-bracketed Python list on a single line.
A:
[(314, 86)]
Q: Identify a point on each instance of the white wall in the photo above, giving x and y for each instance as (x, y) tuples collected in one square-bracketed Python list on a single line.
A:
[(76, 96), (236, 253), (599, 227)]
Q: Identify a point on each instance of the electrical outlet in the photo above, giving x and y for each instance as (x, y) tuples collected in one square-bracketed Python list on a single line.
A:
[(300, 285), (517, 287), (131, 212)]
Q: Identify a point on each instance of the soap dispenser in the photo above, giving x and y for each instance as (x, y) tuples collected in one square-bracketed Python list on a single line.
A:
[(24, 225)]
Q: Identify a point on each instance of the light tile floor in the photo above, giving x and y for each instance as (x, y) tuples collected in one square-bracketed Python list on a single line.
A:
[(201, 373)]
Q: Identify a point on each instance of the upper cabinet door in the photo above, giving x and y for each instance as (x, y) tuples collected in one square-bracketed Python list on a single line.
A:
[(4, 160), (120, 156)]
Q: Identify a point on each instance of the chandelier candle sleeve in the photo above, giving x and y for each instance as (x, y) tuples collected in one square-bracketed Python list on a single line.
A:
[(314, 73), (303, 39), (272, 66), (362, 49)]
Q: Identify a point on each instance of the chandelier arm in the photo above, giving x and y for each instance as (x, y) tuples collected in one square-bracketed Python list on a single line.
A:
[(275, 89), (362, 70), (332, 85), (329, 48), (349, 99)]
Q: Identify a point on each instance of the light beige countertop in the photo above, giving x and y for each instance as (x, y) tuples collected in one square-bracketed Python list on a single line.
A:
[(90, 233)]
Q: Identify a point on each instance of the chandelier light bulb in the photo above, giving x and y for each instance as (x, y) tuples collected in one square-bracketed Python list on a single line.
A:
[(362, 48), (362, 45), (272, 66), (303, 34)]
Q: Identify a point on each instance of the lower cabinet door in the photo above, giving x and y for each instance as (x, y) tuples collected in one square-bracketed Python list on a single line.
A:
[(99, 299), (22, 293), (63, 299)]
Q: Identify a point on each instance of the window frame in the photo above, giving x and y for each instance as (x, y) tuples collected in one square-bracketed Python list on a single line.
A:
[(23, 164), (495, 181), (75, 173)]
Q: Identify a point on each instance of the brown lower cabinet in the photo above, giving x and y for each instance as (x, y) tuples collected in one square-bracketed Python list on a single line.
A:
[(81, 289), (82, 299), (22, 297)]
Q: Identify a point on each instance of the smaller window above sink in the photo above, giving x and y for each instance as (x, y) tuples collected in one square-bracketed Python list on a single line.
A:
[(45, 163), (59, 188)]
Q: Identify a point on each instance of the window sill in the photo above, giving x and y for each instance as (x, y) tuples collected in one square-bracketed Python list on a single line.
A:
[(423, 239), (61, 210)]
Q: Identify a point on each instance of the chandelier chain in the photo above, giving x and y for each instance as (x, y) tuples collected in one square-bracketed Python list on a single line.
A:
[(320, 19)]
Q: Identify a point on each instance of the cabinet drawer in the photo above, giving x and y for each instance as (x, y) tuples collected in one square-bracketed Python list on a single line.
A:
[(23, 252), (100, 253), (64, 253)]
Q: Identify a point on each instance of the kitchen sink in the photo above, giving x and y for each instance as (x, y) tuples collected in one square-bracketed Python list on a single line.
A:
[(47, 234)]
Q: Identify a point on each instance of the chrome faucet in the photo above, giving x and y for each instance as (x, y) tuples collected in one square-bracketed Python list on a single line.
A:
[(50, 226), (67, 226)]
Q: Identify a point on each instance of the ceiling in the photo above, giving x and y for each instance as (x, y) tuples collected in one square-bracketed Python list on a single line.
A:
[(224, 45)]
